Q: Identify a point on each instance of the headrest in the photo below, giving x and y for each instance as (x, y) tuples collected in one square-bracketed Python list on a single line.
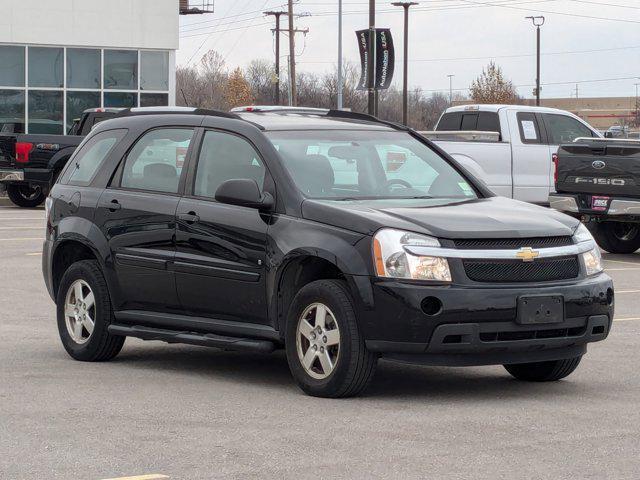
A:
[(312, 173), (160, 170)]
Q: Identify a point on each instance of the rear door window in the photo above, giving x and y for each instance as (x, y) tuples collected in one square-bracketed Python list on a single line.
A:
[(564, 129), (156, 160), (528, 127), (86, 162), (488, 122)]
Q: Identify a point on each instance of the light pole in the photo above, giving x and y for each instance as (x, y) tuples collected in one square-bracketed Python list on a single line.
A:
[(405, 6), (451, 88), (371, 60), (537, 21), (340, 105)]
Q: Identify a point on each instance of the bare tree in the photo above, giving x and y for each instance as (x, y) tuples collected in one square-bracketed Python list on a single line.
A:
[(492, 87)]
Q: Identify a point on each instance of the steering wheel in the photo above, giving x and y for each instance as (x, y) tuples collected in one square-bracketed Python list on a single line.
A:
[(397, 181)]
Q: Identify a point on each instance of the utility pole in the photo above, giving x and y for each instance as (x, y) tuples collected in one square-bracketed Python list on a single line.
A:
[(405, 70), (340, 81), (637, 105), (371, 60), (292, 55), (537, 21), (277, 32), (451, 88)]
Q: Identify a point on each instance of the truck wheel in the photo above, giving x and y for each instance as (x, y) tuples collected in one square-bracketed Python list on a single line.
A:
[(617, 237), (544, 371), (85, 313), (25, 195), (325, 350)]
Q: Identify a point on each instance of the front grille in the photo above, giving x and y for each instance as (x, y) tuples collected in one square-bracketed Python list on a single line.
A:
[(512, 243), (507, 271)]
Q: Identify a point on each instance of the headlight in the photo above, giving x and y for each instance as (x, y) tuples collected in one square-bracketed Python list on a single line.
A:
[(593, 261), (582, 234), (392, 260)]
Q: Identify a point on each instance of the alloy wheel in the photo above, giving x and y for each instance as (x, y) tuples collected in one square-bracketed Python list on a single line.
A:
[(318, 341), (80, 311)]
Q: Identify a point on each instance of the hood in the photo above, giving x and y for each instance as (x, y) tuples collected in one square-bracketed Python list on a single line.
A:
[(495, 217)]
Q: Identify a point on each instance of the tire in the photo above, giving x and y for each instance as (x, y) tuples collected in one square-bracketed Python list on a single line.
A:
[(99, 344), (353, 365), (617, 237), (544, 371), (25, 195)]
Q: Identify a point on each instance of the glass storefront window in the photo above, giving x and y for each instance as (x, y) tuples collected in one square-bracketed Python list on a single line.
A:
[(154, 99), (11, 111), (46, 67), (83, 68), (78, 102), (121, 69), (45, 111), (120, 99), (154, 73), (12, 71)]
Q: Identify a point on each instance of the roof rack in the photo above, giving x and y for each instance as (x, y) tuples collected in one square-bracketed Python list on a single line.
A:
[(327, 112), (176, 110)]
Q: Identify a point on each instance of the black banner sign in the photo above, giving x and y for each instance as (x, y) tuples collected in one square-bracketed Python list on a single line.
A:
[(385, 58)]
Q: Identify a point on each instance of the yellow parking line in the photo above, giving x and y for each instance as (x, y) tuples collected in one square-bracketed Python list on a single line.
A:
[(152, 476), (22, 228), (20, 239), (627, 291), (621, 261), (40, 253)]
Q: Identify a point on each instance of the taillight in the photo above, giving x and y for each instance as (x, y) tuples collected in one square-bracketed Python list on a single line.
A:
[(22, 151), (554, 159)]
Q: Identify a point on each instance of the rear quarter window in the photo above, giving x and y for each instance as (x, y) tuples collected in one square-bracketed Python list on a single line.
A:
[(87, 160)]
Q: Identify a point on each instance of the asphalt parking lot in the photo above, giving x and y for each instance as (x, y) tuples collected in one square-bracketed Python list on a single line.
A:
[(195, 413)]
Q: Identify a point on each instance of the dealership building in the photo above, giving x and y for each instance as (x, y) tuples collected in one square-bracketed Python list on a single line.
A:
[(60, 57)]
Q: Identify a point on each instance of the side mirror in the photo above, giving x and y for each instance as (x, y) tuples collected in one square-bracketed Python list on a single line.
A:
[(244, 192), (608, 134)]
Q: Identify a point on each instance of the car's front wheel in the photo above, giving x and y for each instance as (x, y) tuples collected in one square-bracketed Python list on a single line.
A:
[(85, 313), (325, 349), (544, 371)]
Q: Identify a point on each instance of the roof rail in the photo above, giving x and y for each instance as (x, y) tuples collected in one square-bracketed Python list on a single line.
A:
[(279, 109), (364, 117), (176, 110)]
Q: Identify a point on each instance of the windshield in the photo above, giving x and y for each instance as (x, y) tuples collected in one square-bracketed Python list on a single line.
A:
[(357, 164)]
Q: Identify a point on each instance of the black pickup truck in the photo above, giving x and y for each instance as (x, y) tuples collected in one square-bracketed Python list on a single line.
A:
[(598, 181), (30, 163)]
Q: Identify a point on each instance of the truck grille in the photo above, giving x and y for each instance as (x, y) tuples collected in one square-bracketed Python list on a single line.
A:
[(508, 271), (512, 243)]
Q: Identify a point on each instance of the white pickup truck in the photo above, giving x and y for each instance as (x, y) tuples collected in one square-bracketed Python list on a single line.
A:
[(510, 147)]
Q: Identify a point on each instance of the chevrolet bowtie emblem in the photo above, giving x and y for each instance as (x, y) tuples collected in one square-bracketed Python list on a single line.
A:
[(527, 254)]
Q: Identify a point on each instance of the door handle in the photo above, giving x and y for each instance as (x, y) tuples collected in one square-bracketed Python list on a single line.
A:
[(190, 217), (112, 206)]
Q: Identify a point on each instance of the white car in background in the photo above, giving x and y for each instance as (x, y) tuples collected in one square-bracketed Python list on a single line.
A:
[(509, 147)]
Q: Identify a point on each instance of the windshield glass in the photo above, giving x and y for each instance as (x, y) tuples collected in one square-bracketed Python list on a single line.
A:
[(351, 164)]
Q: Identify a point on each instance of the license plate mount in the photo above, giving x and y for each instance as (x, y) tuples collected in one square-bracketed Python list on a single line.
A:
[(536, 309)]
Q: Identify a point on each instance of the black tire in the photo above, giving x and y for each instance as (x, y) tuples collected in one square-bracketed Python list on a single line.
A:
[(617, 237), (355, 365), (544, 371), (25, 195), (101, 345)]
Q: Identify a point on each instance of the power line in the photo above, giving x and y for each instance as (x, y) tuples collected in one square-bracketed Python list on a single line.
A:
[(485, 57)]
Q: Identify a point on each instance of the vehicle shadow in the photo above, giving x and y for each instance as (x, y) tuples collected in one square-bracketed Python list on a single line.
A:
[(392, 380)]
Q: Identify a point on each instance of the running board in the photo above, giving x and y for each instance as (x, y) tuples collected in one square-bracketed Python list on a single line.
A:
[(193, 338)]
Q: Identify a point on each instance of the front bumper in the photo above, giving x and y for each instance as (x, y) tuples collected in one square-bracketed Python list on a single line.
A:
[(579, 205), (478, 325)]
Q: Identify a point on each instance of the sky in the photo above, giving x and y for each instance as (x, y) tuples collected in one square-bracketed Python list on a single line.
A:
[(582, 40)]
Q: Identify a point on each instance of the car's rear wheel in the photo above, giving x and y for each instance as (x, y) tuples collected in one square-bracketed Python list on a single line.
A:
[(85, 313), (25, 195), (617, 237), (325, 349), (544, 371)]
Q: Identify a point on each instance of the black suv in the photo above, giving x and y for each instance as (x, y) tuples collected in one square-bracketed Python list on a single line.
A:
[(336, 236)]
